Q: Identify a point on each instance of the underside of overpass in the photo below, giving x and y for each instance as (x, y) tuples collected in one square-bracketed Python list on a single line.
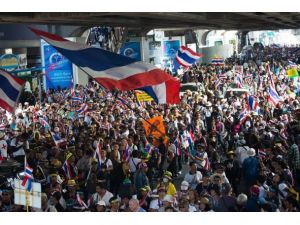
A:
[(142, 22)]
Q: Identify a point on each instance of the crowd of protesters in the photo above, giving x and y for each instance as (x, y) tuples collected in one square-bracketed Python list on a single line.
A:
[(234, 165)]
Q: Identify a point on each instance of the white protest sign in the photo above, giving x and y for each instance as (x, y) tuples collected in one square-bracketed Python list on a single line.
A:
[(23, 197)]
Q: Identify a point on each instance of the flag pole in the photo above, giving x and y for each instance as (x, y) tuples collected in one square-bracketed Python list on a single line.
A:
[(27, 200)]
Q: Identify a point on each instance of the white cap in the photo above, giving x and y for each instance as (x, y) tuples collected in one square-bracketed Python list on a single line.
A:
[(101, 202), (184, 185)]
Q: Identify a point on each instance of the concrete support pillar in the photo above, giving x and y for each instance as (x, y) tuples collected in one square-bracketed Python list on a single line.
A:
[(242, 39)]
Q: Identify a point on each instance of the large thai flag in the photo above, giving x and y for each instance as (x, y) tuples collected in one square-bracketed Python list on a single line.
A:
[(273, 96), (111, 70), (10, 88), (186, 56), (165, 93), (28, 176)]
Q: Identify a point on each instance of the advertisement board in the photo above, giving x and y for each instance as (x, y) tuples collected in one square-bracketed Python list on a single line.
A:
[(58, 69), (170, 49)]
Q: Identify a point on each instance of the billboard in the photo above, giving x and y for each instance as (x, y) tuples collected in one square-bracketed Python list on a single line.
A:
[(58, 69), (132, 50), (170, 49)]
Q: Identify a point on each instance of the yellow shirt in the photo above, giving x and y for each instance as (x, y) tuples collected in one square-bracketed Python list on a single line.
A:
[(171, 190)]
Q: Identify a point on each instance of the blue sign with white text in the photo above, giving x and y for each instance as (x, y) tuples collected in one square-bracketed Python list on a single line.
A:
[(58, 69), (132, 50)]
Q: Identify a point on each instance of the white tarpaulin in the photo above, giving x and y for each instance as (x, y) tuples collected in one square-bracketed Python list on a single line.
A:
[(32, 198)]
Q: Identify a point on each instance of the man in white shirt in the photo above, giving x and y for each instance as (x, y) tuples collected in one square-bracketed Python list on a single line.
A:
[(193, 177), (241, 152), (157, 203), (101, 194)]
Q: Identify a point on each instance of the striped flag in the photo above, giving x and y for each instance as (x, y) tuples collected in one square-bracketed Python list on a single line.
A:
[(111, 70), (28, 176), (222, 76), (84, 108), (217, 61), (248, 76), (252, 102), (261, 153), (10, 89), (67, 169), (243, 116), (58, 140), (186, 56), (273, 96), (98, 154), (239, 81)]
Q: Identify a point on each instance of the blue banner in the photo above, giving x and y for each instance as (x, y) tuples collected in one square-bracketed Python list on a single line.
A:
[(132, 50), (170, 49), (58, 69)]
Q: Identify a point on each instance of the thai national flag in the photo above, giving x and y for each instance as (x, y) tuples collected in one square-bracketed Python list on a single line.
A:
[(252, 102), (111, 70), (186, 56), (243, 116), (165, 93), (67, 169), (217, 61), (10, 89), (98, 154), (123, 101), (82, 109), (77, 98), (58, 140), (239, 81), (222, 76), (273, 96), (261, 153), (28, 176)]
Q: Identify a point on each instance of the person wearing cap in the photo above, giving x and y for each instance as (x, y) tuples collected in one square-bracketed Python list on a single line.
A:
[(101, 194), (101, 206), (157, 203), (168, 201), (193, 177), (232, 170), (114, 203), (250, 168), (241, 150), (72, 173), (70, 195), (140, 177), (144, 197), (54, 184), (167, 183), (6, 200), (253, 204)]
